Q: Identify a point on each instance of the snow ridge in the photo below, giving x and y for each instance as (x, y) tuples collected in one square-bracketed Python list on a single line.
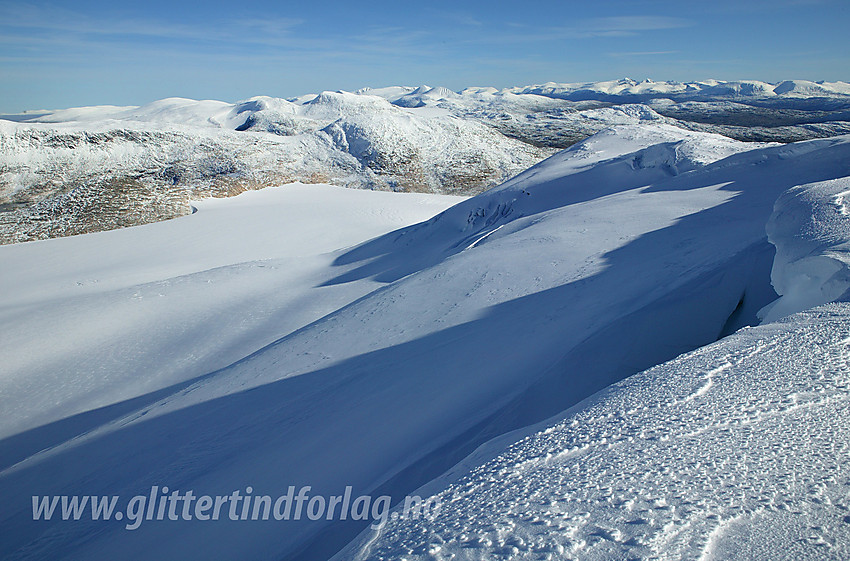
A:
[(809, 229), (381, 366)]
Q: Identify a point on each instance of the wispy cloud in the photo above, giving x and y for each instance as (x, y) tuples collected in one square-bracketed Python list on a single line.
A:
[(642, 53), (62, 33), (636, 23), (58, 37), (395, 41), (768, 6), (463, 19), (52, 25), (20, 18), (620, 26)]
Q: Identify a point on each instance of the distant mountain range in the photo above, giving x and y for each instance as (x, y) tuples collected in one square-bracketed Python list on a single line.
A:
[(88, 169)]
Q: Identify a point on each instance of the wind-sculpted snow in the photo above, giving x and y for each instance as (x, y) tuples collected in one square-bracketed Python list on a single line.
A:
[(633, 247), (809, 230), (613, 161), (740, 450)]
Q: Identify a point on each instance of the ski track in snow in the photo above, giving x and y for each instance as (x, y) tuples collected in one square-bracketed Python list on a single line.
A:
[(740, 449), (484, 237)]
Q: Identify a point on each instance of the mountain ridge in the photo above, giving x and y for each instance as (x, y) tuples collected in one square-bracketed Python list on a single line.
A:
[(88, 169)]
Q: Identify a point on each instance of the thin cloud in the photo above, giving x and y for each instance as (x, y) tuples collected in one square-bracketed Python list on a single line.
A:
[(463, 19), (21, 20), (642, 53), (620, 26), (27, 17), (637, 23), (397, 41), (623, 26), (275, 25)]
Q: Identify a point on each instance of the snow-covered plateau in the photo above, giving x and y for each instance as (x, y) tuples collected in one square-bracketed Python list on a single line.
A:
[(634, 349), (90, 169)]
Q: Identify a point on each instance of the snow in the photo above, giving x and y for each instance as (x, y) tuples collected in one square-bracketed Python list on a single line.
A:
[(56, 165), (739, 450), (812, 265), (136, 310), (707, 88), (383, 364)]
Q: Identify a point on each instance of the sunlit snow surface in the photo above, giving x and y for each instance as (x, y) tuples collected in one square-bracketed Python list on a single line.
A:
[(105, 317), (271, 345), (739, 450)]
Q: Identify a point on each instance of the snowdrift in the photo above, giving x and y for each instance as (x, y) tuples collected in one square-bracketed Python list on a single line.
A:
[(614, 256), (809, 229)]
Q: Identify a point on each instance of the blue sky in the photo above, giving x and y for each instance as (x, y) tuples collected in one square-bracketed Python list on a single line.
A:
[(90, 52)]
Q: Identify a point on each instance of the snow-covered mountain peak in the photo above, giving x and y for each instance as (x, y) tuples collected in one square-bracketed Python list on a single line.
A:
[(479, 90), (805, 88), (180, 111), (265, 103), (413, 97), (621, 89), (390, 93), (333, 105), (82, 114)]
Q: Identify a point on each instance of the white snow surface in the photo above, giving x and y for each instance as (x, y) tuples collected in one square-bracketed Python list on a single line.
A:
[(809, 229), (382, 365), (140, 309), (739, 450)]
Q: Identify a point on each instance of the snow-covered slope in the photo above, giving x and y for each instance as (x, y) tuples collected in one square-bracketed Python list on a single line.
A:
[(626, 250), (99, 319), (737, 450), (740, 450)]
